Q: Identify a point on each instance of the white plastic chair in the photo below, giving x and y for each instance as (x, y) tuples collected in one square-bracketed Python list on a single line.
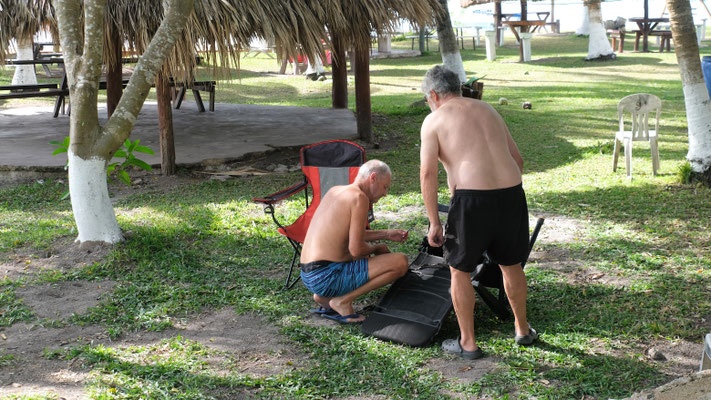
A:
[(639, 105), (706, 354)]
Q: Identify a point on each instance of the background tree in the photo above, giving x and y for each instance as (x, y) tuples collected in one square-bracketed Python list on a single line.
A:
[(448, 46), (696, 96), (584, 28), (598, 43), (21, 20)]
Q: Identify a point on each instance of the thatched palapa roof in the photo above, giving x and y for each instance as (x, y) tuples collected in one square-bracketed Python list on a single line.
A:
[(24, 18), (219, 29)]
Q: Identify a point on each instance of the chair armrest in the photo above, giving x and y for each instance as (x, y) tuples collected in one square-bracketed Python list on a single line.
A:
[(281, 195)]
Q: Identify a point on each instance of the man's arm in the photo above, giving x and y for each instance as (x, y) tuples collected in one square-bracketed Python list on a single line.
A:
[(357, 244), (394, 235), (429, 165), (513, 149)]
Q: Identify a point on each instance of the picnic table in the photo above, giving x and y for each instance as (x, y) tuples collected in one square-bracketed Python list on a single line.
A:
[(61, 91), (38, 90), (646, 28)]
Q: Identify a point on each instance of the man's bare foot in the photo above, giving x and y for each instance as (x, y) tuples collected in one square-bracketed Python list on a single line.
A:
[(345, 309)]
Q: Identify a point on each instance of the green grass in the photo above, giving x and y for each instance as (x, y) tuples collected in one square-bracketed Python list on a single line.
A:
[(206, 246)]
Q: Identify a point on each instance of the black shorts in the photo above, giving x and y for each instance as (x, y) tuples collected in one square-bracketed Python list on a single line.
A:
[(495, 221)]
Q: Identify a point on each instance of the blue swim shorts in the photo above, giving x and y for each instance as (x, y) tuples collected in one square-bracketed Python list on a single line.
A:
[(334, 279)]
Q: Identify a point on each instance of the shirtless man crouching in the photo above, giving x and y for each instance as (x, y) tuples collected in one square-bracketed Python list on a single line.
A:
[(336, 262), (488, 209)]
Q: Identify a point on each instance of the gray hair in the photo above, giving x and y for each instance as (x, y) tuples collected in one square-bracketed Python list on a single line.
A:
[(380, 168), (442, 81)]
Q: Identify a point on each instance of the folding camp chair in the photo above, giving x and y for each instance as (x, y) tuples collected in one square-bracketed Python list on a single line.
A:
[(325, 164), (413, 309)]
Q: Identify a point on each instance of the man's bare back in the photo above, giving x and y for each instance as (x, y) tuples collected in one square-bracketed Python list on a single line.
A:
[(327, 237), (474, 145)]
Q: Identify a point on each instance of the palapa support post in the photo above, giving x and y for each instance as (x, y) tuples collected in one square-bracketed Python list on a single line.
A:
[(165, 125), (114, 72), (339, 90), (525, 46), (362, 91), (490, 38)]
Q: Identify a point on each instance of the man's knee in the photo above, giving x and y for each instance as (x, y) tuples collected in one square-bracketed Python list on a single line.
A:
[(399, 263)]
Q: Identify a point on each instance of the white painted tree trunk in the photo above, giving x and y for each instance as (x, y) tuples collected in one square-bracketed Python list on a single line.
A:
[(696, 96), (698, 115), (583, 29), (448, 46), (93, 211), (453, 61), (91, 145), (598, 43), (24, 74)]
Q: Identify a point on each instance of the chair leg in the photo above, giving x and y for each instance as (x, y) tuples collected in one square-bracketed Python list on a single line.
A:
[(628, 157), (615, 154), (289, 283), (655, 156)]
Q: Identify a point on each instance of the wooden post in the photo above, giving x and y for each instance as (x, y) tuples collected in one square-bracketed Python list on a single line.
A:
[(339, 89), (114, 73), (497, 21), (422, 40), (165, 125), (362, 91), (524, 28)]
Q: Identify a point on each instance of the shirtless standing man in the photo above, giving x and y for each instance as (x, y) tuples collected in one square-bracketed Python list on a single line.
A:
[(488, 207), (336, 262)]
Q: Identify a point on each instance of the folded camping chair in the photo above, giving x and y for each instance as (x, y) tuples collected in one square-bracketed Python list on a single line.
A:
[(487, 274), (413, 309), (325, 164)]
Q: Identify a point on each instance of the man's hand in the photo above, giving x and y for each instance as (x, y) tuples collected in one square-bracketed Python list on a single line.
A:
[(397, 235), (435, 236), (381, 249)]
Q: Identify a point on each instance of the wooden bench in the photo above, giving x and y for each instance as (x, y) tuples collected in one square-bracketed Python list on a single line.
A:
[(179, 94), (665, 39), (618, 34), (28, 91)]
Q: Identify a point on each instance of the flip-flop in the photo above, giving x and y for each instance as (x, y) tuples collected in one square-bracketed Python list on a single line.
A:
[(343, 319), (322, 310), (453, 346)]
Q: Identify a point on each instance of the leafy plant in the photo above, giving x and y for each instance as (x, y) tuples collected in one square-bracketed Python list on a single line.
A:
[(683, 174), (119, 167), (62, 147)]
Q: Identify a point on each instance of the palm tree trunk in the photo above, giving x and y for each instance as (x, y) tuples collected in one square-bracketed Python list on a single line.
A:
[(696, 96), (339, 90), (165, 125), (24, 74), (114, 74), (584, 28), (598, 44), (448, 47), (362, 92)]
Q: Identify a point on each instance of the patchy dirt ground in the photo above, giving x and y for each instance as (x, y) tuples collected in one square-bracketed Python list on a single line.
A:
[(247, 344), (244, 343)]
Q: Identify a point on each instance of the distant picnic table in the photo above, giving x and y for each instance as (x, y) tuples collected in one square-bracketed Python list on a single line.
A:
[(61, 91)]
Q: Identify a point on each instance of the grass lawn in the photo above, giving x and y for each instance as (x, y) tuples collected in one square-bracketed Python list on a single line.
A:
[(634, 273)]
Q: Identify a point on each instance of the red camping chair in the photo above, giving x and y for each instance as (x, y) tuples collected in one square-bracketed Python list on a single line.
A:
[(324, 164)]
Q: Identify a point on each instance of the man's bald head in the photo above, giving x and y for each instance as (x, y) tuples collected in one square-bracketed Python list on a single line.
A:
[(378, 167)]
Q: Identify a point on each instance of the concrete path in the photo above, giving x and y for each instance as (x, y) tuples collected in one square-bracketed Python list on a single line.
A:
[(230, 132)]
